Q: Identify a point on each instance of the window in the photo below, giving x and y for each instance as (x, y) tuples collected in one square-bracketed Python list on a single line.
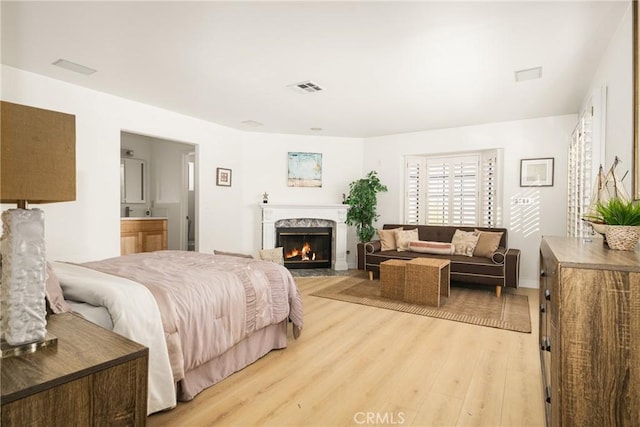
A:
[(453, 190), (580, 175)]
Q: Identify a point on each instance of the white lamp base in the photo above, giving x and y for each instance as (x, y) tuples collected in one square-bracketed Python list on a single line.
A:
[(22, 292)]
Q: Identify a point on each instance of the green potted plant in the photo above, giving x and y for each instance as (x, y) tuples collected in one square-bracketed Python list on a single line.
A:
[(622, 219), (362, 201)]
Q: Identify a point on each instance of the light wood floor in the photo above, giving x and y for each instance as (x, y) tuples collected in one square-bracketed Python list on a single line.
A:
[(357, 365)]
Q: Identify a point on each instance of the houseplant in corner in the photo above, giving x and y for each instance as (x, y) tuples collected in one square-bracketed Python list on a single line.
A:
[(622, 219), (362, 201)]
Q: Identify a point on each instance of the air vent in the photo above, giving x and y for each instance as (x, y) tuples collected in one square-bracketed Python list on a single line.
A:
[(252, 123), (72, 66), (528, 74), (305, 87)]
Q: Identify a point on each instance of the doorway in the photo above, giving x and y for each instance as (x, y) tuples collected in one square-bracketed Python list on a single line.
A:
[(170, 186), (189, 200)]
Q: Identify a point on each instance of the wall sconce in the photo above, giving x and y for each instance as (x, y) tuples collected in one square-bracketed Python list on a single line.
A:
[(37, 165)]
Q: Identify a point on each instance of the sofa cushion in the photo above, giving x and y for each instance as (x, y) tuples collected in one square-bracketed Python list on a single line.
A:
[(423, 247), (498, 256), (388, 239), (444, 233), (274, 255), (488, 242), (465, 242), (404, 237)]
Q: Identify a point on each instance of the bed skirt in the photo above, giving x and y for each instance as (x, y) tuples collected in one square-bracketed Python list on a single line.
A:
[(237, 357)]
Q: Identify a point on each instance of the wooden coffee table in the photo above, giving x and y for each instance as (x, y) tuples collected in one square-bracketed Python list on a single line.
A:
[(426, 279)]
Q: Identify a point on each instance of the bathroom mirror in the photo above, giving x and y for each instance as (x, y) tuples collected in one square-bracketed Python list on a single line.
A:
[(132, 177)]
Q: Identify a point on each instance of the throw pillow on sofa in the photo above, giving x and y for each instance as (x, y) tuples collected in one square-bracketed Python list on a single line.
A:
[(403, 237), (488, 242), (424, 247), (388, 239), (464, 242), (274, 255)]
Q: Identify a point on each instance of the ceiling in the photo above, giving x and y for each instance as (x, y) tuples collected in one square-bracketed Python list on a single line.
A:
[(384, 67)]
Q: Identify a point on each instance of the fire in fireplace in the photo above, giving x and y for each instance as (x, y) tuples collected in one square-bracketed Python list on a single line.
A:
[(305, 247)]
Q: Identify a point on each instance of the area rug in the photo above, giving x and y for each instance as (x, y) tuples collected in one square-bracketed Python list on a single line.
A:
[(467, 304)]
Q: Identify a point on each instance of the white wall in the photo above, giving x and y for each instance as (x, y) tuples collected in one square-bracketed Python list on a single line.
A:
[(227, 216), (544, 137), (614, 77)]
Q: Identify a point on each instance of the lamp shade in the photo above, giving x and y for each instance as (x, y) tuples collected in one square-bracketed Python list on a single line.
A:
[(38, 155)]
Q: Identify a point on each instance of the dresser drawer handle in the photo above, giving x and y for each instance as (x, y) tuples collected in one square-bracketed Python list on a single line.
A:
[(543, 273), (545, 344), (543, 308), (547, 294), (547, 394)]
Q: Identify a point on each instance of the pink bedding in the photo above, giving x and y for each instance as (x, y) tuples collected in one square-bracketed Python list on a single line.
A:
[(209, 303)]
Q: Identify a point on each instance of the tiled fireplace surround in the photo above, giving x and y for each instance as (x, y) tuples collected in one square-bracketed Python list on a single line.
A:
[(330, 215)]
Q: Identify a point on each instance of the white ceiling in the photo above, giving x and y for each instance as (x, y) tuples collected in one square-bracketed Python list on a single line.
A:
[(385, 67)]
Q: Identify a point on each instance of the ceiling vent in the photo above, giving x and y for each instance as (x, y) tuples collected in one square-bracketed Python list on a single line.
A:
[(305, 87), (252, 123), (528, 74), (72, 66)]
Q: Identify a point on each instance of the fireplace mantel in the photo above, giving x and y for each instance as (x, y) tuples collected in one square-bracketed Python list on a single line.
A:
[(271, 213)]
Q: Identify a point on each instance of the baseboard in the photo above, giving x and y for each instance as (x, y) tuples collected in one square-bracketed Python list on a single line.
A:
[(524, 283)]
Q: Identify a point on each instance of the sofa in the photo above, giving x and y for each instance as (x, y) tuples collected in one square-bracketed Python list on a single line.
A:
[(497, 267)]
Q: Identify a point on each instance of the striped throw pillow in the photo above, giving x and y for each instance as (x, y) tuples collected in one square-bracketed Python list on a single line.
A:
[(424, 247)]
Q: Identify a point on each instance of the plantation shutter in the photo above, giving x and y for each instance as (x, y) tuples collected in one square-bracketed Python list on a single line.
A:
[(414, 198), (579, 176), (465, 192), (490, 214), (460, 190), (438, 191), (452, 191)]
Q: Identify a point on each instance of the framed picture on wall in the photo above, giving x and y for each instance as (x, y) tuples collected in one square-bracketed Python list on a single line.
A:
[(536, 172), (223, 177), (304, 169)]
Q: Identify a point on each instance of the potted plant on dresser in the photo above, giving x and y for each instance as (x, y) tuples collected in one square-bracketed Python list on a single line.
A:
[(622, 223)]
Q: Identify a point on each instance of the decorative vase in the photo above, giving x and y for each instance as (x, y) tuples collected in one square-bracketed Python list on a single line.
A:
[(622, 237)]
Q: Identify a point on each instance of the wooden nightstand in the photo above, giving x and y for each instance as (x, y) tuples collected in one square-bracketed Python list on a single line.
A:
[(92, 377)]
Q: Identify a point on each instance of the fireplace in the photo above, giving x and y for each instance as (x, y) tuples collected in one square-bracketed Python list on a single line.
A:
[(305, 247), (327, 215)]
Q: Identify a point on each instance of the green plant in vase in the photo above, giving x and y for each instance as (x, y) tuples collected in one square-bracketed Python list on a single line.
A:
[(619, 212), (363, 201), (622, 219)]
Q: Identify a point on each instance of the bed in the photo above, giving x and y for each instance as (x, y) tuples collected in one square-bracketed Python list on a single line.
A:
[(202, 316)]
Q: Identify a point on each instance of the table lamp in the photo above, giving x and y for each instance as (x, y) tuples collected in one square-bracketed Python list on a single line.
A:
[(37, 165)]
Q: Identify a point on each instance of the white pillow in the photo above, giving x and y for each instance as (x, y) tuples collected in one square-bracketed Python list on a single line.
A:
[(465, 242), (403, 237), (273, 255), (424, 247)]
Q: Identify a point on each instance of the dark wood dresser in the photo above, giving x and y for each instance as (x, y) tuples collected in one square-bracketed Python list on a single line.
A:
[(589, 333), (91, 377)]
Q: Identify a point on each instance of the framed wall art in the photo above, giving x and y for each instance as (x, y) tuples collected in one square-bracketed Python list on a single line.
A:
[(536, 172), (304, 169), (223, 177)]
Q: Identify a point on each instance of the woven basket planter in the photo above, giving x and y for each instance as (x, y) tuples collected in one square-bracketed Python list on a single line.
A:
[(622, 237)]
